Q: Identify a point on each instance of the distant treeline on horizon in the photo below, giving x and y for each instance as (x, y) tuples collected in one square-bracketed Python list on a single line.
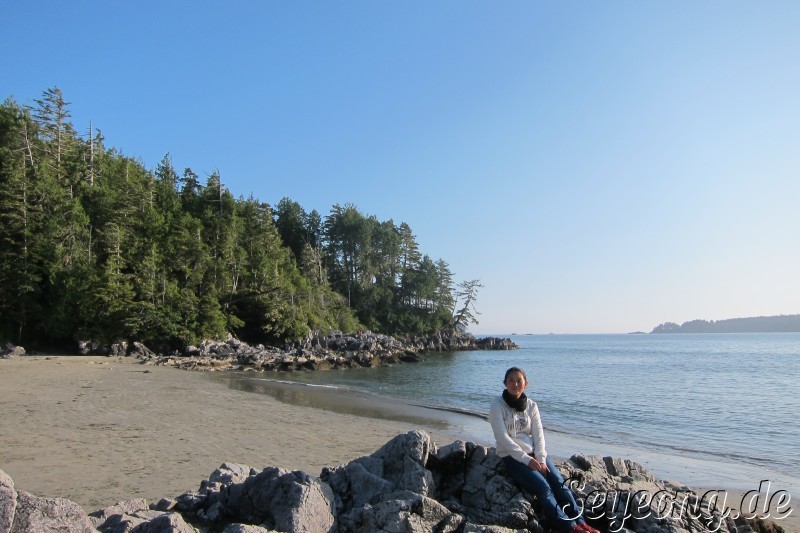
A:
[(759, 324)]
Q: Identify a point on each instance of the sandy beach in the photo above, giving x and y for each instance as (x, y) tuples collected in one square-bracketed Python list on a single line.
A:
[(98, 430)]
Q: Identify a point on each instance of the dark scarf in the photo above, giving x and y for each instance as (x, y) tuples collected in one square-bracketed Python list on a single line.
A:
[(518, 404)]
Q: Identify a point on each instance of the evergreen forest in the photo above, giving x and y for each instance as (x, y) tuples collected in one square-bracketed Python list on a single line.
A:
[(95, 246)]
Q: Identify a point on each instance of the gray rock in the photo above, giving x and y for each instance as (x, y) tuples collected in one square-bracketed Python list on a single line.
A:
[(45, 515), (123, 507), (165, 523), (191, 351), (406, 512), (92, 348), (355, 484), (404, 460), (8, 502), (130, 517), (286, 501), (140, 351), (469, 527), (165, 504), (244, 528), (129, 507), (492, 497), (119, 349), (9, 351), (449, 471), (125, 523), (228, 473), (190, 501)]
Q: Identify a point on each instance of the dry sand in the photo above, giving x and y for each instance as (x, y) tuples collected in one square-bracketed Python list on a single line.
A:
[(99, 430)]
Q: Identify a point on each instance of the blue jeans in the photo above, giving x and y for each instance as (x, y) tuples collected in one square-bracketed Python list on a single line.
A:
[(557, 501)]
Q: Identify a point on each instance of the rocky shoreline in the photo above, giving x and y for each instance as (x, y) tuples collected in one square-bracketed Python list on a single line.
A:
[(408, 485), (334, 350)]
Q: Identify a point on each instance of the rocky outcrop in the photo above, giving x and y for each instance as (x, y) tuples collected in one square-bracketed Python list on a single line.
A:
[(32, 514), (9, 351), (317, 352), (8, 502), (408, 485), (495, 343), (451, 342), (92, 348)]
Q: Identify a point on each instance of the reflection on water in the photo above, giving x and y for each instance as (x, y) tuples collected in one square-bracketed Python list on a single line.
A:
[(338, 400)]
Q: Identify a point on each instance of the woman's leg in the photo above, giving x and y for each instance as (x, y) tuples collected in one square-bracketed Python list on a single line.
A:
[(535, 483), (563, 495)]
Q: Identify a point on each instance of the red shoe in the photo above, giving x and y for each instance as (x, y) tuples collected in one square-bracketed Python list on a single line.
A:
[(586, 528), (576, 529)]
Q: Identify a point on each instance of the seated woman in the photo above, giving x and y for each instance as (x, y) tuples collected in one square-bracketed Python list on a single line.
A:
[(518, 431)]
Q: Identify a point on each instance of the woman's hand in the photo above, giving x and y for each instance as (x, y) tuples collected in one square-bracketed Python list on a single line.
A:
[(540, 467)]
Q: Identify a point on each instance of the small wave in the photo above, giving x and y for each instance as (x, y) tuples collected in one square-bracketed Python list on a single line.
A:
[(458, 410), (730, 456), (294, 383), (311, 385)]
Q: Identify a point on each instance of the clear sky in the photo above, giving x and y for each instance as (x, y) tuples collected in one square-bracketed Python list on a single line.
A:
[(599, 166)]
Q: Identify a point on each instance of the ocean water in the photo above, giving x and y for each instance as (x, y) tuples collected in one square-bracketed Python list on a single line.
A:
[(732, 398)]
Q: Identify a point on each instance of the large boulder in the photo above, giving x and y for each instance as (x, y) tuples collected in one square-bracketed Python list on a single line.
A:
[(399, 465), (410, 485), (401, 511), (473, 480), (404, 460), (45, 515), (140, 351), (118, 349), (8, 502), (285, 501), (274, 499)]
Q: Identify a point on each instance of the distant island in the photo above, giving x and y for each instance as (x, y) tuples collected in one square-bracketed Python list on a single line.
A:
[(759, 324)]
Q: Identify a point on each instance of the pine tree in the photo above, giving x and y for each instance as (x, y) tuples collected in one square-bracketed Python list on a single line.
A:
[(21, 216), (468, 292), (51, 113)]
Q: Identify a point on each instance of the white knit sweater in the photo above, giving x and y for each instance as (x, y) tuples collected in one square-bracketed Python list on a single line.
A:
[(518, 433)]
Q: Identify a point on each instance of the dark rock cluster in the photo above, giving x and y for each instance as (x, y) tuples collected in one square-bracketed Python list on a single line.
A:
[(408, 485), (317, 352)]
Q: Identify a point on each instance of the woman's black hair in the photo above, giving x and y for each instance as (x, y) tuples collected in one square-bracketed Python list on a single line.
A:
[(514, 369)]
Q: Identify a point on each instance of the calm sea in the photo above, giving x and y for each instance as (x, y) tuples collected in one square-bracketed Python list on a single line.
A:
[(730, 397)]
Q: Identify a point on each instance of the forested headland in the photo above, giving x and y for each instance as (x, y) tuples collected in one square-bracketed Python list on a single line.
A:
[(759, 324), (95, 246)]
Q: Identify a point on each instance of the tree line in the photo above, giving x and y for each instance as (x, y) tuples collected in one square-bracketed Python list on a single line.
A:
[(95, 246), (759, 324)]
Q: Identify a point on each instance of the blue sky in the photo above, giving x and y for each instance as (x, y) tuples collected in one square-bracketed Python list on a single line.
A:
[(601, 167)]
